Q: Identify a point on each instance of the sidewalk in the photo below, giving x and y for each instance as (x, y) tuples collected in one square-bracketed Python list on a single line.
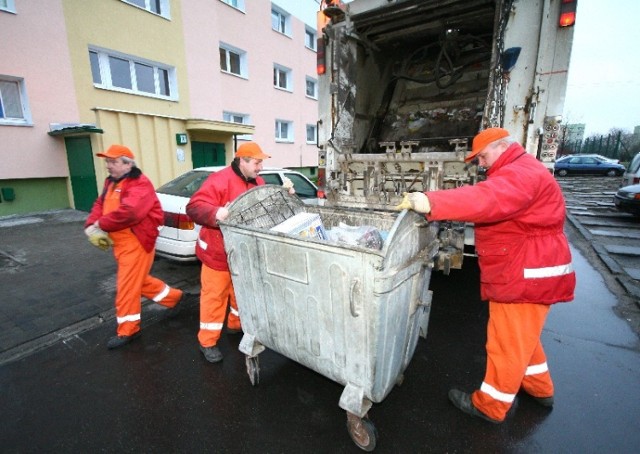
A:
[(56, 284)]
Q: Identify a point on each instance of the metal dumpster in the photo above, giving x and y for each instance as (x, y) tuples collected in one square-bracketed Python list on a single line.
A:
[(350, 313)]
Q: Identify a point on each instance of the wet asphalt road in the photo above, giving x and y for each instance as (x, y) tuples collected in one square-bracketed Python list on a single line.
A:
[(159, 395)]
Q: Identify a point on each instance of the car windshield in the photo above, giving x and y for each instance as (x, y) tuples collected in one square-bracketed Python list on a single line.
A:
[(185, 185)]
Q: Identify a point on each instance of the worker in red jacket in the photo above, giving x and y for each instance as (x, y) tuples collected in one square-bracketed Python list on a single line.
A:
[(525, 266), (127, 216), (208, 206)]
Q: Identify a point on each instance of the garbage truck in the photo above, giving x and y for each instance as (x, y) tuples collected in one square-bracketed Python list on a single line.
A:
[(404, 85), (343, 287)]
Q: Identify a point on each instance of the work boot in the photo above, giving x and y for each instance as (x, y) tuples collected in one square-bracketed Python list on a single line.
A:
[(463, 402), (173, 312), (212, 354), (544, 401), (119, 341)]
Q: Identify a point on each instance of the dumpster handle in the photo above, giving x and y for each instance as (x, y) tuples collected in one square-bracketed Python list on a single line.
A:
[(230, 261), (353, 302)]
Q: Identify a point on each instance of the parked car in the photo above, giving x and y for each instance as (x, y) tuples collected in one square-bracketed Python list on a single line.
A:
[(178, 236), (599, 156), (632, 173), (627, 199), (587, 165)]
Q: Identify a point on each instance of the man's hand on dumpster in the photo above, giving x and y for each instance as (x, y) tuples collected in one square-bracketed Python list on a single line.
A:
[(98, 237), (288, 184), (222, 213), (416, 201)]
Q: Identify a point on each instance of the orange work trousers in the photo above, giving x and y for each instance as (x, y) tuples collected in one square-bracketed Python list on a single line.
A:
[(133, 281), (216, 294), (515, 357)]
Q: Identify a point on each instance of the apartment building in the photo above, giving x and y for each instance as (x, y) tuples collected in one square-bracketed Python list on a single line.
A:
[(181, 82)]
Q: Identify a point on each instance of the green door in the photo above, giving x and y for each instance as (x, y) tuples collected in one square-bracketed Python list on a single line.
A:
[(81, 172), (205, 154)]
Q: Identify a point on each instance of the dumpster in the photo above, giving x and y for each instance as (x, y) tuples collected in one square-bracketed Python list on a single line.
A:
[(349, 312)]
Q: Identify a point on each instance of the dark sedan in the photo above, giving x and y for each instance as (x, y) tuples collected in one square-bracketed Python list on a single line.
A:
[(627, 199), (588, 165)]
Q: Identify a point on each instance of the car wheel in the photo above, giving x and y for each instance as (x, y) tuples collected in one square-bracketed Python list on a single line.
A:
[(562, 172), (611, 173)]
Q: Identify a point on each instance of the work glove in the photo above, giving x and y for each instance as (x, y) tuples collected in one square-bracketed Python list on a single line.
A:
[(98, 237), (416, 201), (288, 184)]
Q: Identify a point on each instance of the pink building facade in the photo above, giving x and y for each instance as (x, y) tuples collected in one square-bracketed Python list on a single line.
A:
[(240, 70)]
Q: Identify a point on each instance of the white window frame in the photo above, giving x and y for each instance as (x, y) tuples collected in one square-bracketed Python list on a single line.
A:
[(238, 118), (314, 128), (106, 78), (310, 38), (242, 60), (314, 95), (26, 119), (288, 138), (8, 6), (165, 10), (278, 71), (236, 4), (280, 20)]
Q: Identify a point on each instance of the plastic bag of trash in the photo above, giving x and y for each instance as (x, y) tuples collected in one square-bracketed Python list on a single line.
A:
[(365, 235)]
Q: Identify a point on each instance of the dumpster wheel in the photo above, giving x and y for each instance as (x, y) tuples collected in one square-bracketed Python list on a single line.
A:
[(362, 432), (253, 369)]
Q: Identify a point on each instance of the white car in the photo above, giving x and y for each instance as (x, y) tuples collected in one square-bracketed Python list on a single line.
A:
[(178, 236)]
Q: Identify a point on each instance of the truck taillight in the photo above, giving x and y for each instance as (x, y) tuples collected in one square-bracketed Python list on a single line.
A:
[(321, 66), (568, 13), (322, 181)]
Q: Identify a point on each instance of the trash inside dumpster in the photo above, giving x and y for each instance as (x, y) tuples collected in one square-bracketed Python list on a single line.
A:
[(345, 309)]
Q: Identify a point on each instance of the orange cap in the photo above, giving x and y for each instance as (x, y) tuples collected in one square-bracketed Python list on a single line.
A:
[(116, 151), (251, 150), (483, 139)]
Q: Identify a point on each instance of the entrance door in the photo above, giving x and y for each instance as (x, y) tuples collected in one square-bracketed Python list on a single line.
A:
[(81, 172), (206, 154)]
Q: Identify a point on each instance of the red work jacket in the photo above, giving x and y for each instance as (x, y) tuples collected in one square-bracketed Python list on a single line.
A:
[(139, 209), (218, 190), (519, 215)]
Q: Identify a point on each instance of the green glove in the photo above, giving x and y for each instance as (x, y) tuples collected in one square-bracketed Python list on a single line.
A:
[(98, 237), (101, 241)]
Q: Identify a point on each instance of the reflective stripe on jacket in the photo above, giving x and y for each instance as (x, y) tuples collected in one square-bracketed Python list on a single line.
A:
[(519, 215), (218, 190)]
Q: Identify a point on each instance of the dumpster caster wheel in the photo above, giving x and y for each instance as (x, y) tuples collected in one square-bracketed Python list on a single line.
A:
[(362, 432), (253, 369)]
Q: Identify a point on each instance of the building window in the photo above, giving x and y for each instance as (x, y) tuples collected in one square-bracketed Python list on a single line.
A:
[(284, 131), (312, 88), (280, 21), (119, 72), (282, 78), (159, 7), (243, 119), (310, 38), (13, 102), (311, 133), (8, 5), (237, 4), (233, 61)]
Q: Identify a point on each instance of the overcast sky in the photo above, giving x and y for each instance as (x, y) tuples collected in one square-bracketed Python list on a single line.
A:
[(604, 74)]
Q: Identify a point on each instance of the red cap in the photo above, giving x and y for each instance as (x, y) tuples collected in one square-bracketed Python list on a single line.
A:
[(483, 139), (116, 151), (251, 150)]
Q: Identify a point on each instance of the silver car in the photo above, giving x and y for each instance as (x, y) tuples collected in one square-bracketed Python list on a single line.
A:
[(178, 236)]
